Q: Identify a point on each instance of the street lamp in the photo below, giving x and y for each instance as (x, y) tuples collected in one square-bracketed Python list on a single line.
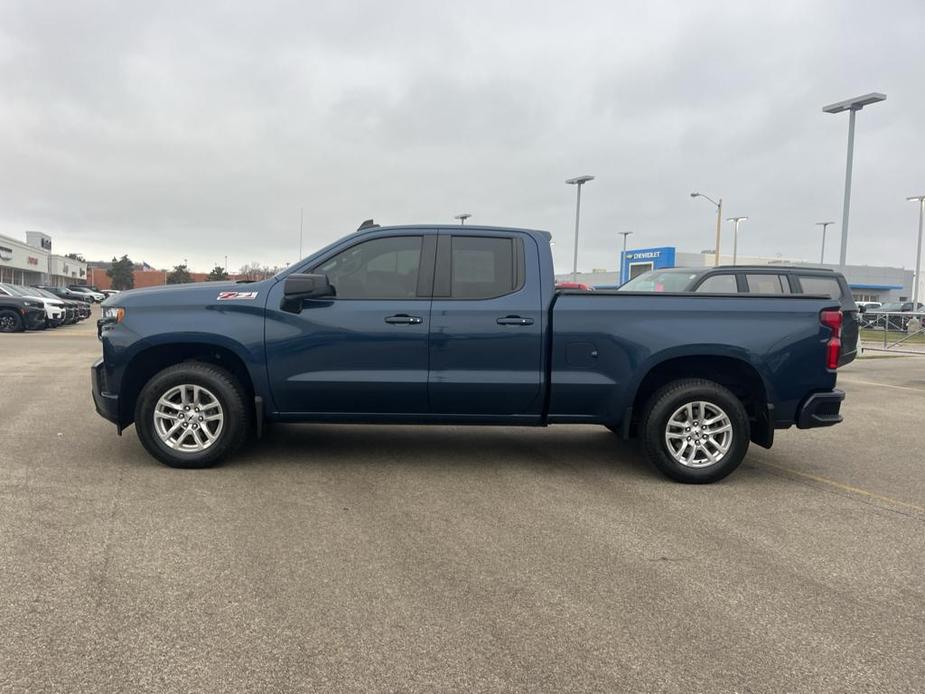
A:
[(824, 226), (719, 219), (462, 218), (623, 257), (578, 181), (920, 199), (735, 237), (853, 105)]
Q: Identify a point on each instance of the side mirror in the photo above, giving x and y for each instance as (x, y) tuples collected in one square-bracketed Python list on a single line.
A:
[(299, 287)]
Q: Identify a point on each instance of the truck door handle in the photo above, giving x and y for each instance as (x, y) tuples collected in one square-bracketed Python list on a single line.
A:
[(404, 319), (514, 320)]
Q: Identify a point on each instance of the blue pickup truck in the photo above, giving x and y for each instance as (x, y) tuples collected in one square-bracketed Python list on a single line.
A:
[(463, 325)]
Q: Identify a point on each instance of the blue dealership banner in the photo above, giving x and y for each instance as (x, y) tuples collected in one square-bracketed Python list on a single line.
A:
[(649, 258)]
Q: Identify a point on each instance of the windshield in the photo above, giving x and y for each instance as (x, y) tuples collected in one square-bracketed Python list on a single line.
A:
[(660, 281), (13, 289), (43, 292), (25, 291)]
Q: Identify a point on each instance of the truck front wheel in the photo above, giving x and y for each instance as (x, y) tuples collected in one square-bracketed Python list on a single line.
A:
[(192, 415), (695, 431)]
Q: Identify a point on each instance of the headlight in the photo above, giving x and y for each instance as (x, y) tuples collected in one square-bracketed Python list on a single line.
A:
[(114, 313)]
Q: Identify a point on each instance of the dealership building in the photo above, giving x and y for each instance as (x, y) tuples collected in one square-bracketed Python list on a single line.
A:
[(867, 282), (33, 262)]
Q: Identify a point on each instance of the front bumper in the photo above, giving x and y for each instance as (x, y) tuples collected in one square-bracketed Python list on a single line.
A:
[(106, 404), (34, 318), (820, 409)]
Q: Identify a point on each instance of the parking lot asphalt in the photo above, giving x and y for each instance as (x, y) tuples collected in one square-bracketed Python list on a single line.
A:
[(360, 558)]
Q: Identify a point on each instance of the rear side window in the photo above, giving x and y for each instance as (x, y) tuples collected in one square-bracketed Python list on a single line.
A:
[(718, 284), (482, 267), (827, 286), (385, 268), (767, 284)]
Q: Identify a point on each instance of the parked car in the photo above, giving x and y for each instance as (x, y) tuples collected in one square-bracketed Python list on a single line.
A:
[(98, 297), (885, 316), (110, 292), (18, 314), (76, 310), (65, 293), (782, 280), (55, 312), (579, 286), (451, 324), (864, 306)]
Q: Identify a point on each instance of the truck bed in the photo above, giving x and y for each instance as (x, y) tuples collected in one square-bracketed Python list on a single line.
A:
[(605, 343)]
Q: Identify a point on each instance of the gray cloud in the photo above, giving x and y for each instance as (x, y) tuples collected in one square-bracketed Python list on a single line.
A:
[(172, 130)]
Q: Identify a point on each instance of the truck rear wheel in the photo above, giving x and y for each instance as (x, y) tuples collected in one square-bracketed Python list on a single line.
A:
[(192, 415), (695, 431)]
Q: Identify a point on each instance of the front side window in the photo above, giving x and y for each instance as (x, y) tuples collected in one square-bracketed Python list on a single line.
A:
[(767, 284), (385, 268), (482, 267), (718, 284)]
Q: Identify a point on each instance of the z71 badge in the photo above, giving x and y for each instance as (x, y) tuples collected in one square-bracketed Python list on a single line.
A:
[(237, 296)]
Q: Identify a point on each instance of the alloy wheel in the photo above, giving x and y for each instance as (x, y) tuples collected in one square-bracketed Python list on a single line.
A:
[(188, 418), (698, 434)]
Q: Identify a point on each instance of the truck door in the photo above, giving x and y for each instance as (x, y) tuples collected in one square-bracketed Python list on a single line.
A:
[(486, 329), (365, 349)]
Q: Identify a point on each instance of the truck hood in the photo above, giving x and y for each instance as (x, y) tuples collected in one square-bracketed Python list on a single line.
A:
[(198, 292)]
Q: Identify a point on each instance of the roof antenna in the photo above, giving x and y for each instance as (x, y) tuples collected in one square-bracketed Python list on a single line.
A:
[(368, 224)]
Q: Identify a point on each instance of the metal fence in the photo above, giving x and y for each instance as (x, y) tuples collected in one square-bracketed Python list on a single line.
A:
[(893, 331)]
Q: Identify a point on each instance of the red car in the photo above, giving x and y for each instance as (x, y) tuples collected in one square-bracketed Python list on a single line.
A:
[(581, 286)]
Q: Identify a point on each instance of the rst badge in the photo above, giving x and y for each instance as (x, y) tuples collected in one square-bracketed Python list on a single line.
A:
[(237, 296)]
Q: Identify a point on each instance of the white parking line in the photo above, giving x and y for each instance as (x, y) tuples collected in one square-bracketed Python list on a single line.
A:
[(844, 487), (882, 385)]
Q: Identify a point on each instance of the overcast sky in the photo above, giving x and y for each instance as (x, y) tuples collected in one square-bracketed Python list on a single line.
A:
[(195, 129)]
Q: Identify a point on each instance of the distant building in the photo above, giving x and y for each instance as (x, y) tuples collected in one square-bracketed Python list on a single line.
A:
[(33, 262), (867, 282), (97, 277)]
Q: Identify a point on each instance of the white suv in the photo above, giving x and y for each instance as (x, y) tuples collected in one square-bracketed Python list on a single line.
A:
[(54, 308), (98, 297)]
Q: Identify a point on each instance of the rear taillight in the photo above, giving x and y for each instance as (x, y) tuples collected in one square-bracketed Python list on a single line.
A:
[(832, 320)]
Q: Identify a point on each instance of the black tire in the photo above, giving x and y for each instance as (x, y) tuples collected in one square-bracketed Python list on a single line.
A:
[(10, 321), (666, 402), (226, 389)]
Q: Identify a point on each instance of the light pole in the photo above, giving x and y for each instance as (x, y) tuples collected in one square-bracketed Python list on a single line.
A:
[(920, 199), (578, 181), (853, 105), (462, 218), (824, 226), (623, 257), (719, 220), (735, 237)]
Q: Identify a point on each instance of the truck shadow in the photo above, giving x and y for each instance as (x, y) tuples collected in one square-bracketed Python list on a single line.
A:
[(585, 448)]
